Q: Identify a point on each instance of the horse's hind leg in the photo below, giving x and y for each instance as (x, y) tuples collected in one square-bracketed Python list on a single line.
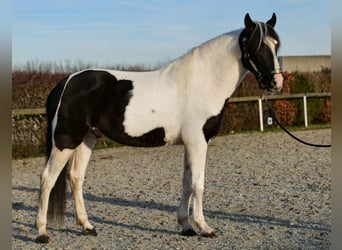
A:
[(76, 178), (54, 167)]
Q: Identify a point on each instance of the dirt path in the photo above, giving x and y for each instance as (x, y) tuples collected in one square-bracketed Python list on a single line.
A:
[(263, 190)]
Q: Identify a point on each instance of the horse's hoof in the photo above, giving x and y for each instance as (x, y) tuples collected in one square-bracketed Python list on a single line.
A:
[(188, 232), (44, 239), (209, 235), (91, 232)]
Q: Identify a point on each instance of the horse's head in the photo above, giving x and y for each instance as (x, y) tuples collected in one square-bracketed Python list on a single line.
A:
[(259, 44)]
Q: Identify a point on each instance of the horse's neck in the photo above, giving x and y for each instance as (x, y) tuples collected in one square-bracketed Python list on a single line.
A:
[(213, 69), (219, 62)]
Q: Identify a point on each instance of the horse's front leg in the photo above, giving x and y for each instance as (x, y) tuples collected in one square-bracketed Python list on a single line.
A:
[(183, 211), (193, 184)]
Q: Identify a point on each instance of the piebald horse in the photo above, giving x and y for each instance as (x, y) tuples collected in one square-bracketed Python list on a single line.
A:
[(182, 102)]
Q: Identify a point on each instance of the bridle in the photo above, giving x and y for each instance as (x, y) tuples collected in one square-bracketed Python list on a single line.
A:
[(251, 66)]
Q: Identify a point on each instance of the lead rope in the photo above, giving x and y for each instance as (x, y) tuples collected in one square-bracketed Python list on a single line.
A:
[(272, 114)]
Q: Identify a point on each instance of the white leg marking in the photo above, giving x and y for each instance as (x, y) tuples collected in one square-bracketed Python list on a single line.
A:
[(193, 183), (76, 178), (197, 157), (53, 168)]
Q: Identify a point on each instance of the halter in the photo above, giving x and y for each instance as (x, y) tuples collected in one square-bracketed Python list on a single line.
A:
[(251, 66)]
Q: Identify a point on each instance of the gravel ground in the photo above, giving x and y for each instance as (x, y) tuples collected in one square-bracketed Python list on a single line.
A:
[(263, 190)]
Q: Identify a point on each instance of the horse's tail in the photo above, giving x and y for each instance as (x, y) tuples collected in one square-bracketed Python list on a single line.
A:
[(57, 198)]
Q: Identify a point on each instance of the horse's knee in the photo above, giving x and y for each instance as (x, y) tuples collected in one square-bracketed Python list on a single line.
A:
[(197, 187), (75, 179), (46, 182)]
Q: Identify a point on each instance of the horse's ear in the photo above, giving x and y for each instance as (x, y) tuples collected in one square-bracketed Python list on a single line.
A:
[(249, 24), (272, 21)]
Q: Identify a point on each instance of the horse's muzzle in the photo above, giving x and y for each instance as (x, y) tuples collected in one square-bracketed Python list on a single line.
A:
[(277, 82)]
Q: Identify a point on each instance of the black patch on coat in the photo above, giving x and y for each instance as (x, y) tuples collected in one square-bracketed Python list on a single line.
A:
[(212, 125), (51, 107), (96, 99)]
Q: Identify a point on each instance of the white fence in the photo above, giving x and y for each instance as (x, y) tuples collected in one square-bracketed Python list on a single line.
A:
[(280, 97)]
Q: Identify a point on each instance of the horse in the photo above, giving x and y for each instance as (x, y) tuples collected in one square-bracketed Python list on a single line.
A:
[(180, 103)]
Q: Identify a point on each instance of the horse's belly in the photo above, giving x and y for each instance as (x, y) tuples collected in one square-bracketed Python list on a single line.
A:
[(157, 131), (147, 113), (153, 138)]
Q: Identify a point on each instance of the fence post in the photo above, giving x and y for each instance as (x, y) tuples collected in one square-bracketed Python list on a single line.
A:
[(305, 111), (261, 119)]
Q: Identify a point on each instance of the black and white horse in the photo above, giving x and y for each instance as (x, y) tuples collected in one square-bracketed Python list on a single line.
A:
[(180, 103)]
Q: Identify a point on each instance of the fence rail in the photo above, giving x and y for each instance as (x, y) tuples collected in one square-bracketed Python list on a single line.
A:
[(304, 96), (279, 97), (37, 111)]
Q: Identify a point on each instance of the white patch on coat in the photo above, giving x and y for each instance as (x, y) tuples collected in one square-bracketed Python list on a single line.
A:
[(186, 92), (153, 104)]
